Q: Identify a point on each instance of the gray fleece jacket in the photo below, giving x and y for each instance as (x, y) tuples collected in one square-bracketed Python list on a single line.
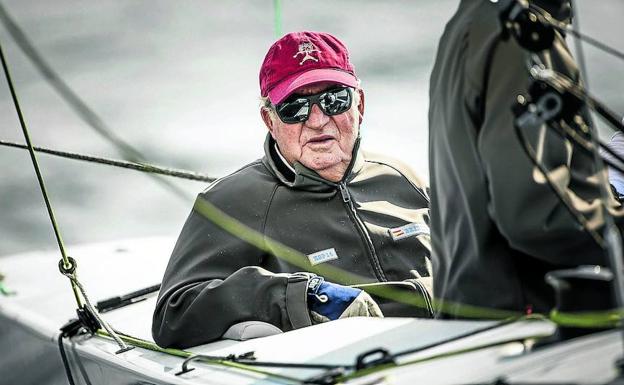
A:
[(373, 224)]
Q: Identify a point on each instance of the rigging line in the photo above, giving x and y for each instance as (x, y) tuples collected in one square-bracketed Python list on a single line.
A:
[(575, 27), (451, 353), (612, 235), (143, 167), (57, 233), (72, 275), (560, 81), (145, 344), (563, 27), (612, 241), (78, 105), (439, 356), (267, 364), (285, 253), (565, 130), (530, 151), (596, 43), (578, 43), (560, 194), (68, 371), (471, 333)]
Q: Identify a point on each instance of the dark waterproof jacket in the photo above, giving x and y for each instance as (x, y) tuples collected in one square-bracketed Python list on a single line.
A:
[(216, 279), (497, 226)]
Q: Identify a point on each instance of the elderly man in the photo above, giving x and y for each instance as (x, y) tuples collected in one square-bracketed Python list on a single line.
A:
[(314, 191)]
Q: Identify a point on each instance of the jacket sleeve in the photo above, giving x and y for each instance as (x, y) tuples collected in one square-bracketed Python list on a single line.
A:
[(526, 210), (215, 280)]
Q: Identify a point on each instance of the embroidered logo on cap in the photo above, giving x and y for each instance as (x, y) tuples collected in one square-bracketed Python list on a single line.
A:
[(409, 230), (305, 49), (322, 256)]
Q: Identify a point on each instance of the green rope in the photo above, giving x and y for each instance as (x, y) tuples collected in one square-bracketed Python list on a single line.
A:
[(296, 258), (238, 229), (3, 289), (472, 349), (365, 372), (33, 157), (249, 235), (144, 344), (606, 319), (592, 320), (277, 18)]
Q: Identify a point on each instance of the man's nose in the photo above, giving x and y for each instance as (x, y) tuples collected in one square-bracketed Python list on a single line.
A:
[(317, 118)]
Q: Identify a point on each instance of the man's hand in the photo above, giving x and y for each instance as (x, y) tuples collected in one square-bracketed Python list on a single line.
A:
[(329, 301)]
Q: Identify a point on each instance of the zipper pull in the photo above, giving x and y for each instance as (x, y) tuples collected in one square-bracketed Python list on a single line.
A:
[(344, 192)]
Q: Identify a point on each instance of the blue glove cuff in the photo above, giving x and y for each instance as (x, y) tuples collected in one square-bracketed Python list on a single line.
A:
[(330, 299), (314, 285)]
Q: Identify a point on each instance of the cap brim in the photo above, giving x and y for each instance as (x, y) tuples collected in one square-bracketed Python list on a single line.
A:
[(287, 86)]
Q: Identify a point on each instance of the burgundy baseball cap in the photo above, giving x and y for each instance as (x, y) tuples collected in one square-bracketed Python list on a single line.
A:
[(303, 58)]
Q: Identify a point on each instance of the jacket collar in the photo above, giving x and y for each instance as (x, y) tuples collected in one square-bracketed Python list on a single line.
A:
[(304, 178)]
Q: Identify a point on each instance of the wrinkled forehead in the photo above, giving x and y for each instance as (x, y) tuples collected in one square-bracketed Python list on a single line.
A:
[(315, 88)]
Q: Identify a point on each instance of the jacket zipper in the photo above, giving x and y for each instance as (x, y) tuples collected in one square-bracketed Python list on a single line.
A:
[(346, 199)]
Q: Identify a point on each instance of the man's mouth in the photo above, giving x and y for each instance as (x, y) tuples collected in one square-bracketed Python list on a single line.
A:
[(320, 139)]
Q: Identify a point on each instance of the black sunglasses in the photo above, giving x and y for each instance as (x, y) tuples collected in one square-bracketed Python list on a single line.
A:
[(296, 108)]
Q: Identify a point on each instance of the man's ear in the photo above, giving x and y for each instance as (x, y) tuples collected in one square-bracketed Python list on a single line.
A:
[(265, 113), (361, 104)]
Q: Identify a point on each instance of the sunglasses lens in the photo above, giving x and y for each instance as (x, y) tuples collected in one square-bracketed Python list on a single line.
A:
[(294, 111), (336, 102), (297, 108)]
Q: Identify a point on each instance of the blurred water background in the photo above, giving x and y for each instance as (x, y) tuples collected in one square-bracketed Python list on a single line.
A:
[(179, 80)]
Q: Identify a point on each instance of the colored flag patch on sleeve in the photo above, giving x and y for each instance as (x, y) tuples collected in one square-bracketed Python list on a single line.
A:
[(409, 230)]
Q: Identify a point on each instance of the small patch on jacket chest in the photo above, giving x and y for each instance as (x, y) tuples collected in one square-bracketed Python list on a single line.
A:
[(322, 256), (409, 230)]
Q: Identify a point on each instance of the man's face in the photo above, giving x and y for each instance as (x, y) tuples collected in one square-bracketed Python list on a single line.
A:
[(322, 143)]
